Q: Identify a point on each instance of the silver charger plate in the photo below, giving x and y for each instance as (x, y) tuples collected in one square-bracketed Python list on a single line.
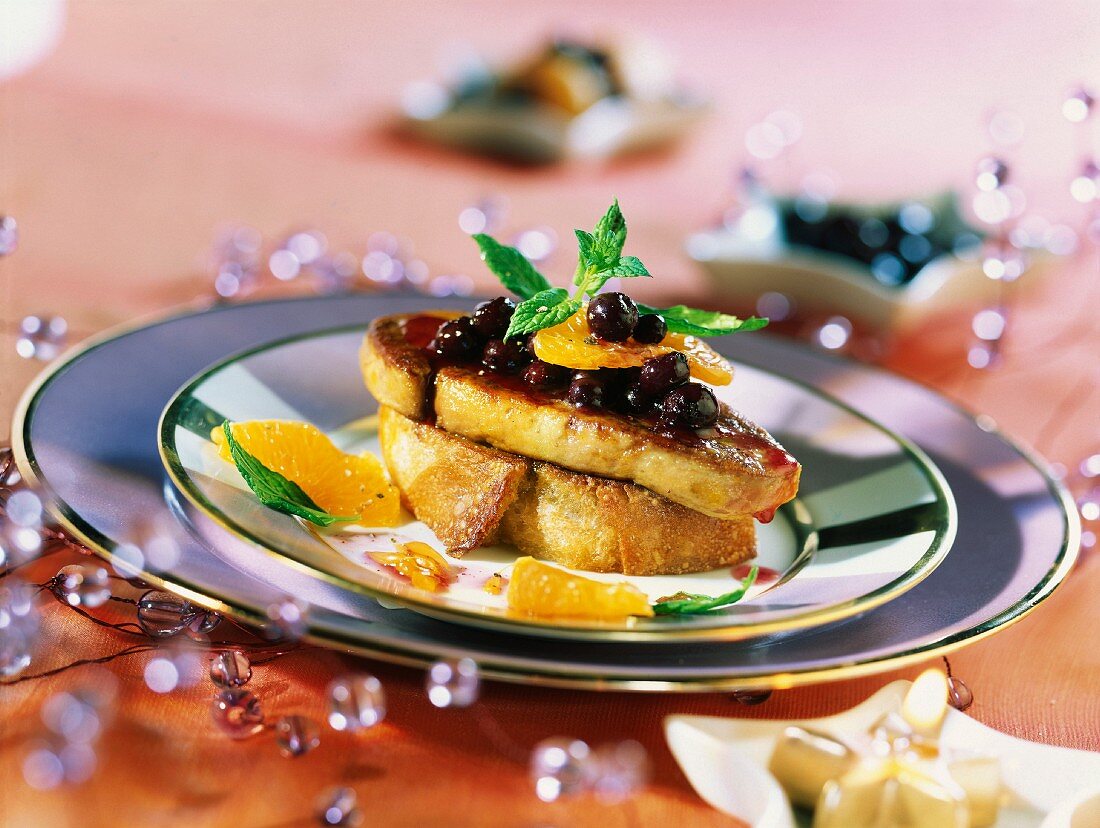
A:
[(86, 431)]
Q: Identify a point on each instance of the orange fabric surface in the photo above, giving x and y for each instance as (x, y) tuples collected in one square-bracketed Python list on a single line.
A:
[(152, 123)]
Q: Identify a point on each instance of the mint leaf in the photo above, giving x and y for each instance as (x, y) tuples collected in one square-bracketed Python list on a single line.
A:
[(628, 266), (685, 320), (586, 242), (610, 235), (275, 491), (544, 309), (511, 267), (601, 254), (691, 604)]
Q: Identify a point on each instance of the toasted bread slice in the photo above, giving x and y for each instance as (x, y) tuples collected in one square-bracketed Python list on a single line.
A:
[(471, 495), (735, 468)]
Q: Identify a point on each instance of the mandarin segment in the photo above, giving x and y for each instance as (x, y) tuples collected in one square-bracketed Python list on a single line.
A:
[(339, 483), (540, 589), (571, 344), (423, 566)]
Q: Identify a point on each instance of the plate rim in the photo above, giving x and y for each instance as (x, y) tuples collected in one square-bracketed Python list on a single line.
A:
[(938, 548), (1054, 576)]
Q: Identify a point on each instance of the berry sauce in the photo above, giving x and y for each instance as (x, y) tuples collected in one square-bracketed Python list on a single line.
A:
[(421, 330)]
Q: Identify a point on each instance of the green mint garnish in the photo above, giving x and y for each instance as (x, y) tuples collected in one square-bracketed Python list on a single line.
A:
[(512, 268), (600, 259), (685, 320), (543, 310), (274, 490), (601, 254), (697, 604)]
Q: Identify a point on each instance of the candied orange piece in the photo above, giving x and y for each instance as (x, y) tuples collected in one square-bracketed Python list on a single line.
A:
[(571, 344), (423, 566), (537, 588), (341, 484)]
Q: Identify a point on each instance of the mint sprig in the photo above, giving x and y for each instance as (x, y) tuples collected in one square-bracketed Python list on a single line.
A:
[(512, 268), (601, 254), (691, 604), (275, 491), (685, 320), (600, 260)]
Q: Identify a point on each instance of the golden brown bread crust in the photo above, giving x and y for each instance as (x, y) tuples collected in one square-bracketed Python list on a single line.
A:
[(727, 472), (472, 495), (397, 373)]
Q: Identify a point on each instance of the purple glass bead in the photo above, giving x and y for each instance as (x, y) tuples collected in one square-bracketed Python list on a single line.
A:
[(201, 621), (1078, 105), (41, 337), (622, 769), (237, 713), (9, 235), (162, 614), (15, 653), (81, 585), (288, 619), (959, 695), (296, 735), (230, 669), (339, 806), (356, 702), (751, 697), (453, 683), (561, 767), (991, 173)]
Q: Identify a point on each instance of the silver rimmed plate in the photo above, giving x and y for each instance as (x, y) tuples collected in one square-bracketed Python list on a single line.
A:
[(86, 431), (873, 518)]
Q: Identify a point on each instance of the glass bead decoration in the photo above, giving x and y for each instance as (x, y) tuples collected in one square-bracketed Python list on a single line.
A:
[(340, 807), (453, 683), (237, 713), (621, 770), (959, 694), (41, 337), (296, 735), (355, 702), (288, 619), (230, 669), (751, 697), (162, 614), (81, 585), (561, 767), (9, 235), (15, 653)]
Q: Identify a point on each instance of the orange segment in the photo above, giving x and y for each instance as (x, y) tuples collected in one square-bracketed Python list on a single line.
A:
[(423, 566), (537, 588), (341, 484), (571, 344)]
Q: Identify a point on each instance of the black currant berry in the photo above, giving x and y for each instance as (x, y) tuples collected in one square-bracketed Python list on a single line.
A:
[(650, 329), (612, 316), (663, 373), (585, 392), (693, 404), (544, 375), (504, 356), (456, 340), (491, 318)]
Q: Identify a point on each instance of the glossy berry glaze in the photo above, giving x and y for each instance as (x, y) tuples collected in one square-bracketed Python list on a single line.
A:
[(612, 398)]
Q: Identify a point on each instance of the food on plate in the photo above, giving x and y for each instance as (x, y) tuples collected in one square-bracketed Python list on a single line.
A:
[(541, 589), (473, 495), (295, 468), (570, 77), (419, 563), (575, 425)]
